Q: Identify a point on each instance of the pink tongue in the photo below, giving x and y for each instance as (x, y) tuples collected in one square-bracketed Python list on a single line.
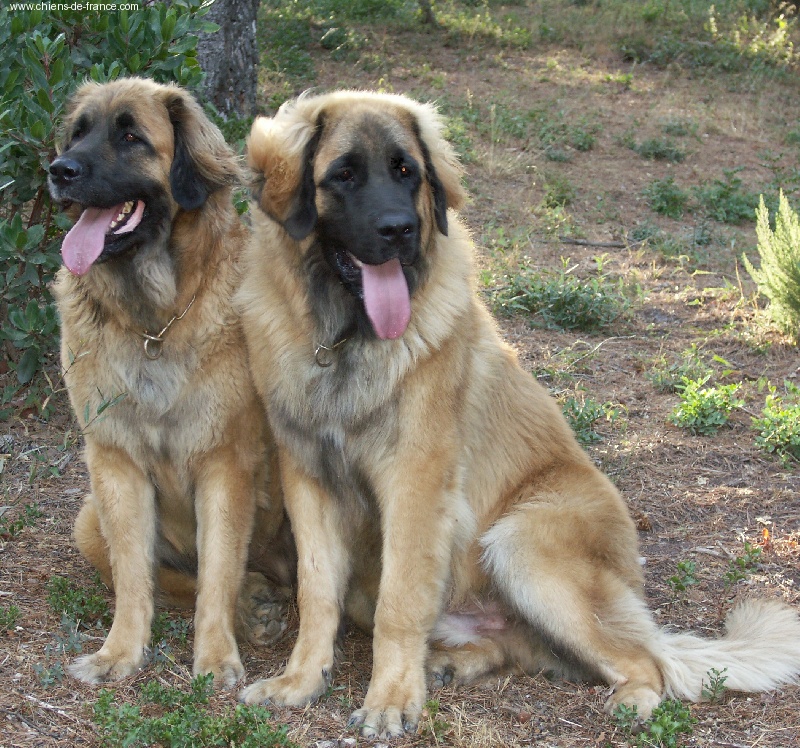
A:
[(386, 298), (84, 242)]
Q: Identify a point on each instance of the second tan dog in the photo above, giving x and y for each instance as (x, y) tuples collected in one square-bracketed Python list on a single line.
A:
[(434, 488)]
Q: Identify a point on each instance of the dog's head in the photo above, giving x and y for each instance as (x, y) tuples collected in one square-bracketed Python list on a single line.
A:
[(370, 178), (131, 154)]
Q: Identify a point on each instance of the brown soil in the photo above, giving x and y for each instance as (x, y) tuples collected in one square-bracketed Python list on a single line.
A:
[(695, 498)]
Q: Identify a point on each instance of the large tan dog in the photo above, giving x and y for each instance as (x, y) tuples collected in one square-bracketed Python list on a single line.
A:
[(434, 488), (157, 372)]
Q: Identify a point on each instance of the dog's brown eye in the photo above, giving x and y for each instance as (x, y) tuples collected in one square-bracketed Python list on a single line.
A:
[(129, 137), (403, 169), (345, 175)]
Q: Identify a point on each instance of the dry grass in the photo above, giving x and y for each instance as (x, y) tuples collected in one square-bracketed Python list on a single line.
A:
[(695, 498)]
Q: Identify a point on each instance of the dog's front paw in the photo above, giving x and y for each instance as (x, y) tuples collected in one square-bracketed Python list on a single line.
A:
[(227, 673), (102, 668), (387, 722), (289, 689)]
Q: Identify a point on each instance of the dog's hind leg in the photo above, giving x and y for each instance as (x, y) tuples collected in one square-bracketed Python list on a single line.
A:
[(569, 567), (90, 541)]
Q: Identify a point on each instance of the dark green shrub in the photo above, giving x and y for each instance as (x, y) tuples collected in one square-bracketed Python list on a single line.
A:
[(666, 197), (44, 55), (725, 200), (564, 300)]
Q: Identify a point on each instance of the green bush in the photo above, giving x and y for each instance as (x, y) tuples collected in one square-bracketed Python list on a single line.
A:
[(778, 278), (666, 197), (703, 410), (43, 57), (725, 200), (779, 424)]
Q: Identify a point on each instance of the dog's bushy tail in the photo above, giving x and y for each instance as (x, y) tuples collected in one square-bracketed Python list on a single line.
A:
[(759, 651)]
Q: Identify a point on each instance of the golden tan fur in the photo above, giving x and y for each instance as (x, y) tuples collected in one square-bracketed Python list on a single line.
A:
[(178, 463), (436, 492)]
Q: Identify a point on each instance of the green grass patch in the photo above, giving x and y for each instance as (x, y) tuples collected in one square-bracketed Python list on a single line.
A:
[(741, 566), (669, 373), (660, 149), (86, 605), (8, 617), (582, 415), (11, 528), (564, 300), (666, 198), (173, 718), (725, 200)]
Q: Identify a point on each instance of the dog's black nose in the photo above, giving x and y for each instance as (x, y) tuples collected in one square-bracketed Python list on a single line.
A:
[(396, 226), (66, 170)]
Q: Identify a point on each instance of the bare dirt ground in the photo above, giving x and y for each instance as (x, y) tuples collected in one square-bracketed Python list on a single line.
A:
[(695, 498)]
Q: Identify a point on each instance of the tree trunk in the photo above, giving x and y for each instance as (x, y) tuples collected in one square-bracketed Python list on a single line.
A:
[(229, 57)]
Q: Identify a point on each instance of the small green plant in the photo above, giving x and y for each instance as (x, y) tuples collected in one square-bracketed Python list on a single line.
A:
[(8, 617), (778, 278), (716, 687), (583, 414), (86, 605), (172, 718), (741, 566), (684, 578), (660, 149), (669, 720), (679, 127), (431, 725), (703, 410), (10, 529), (166, 632), (51, 674), (665, 197), (779, 424), (563, 299), (559, 192), (725, 200), (667, 375)]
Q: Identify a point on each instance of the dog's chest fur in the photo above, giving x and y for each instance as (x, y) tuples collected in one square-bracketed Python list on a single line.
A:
[(337, 419)]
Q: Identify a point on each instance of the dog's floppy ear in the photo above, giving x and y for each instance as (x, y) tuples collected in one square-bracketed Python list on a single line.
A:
[(439, 192), (281, 150), (442, 167), (202, 162), (302, 215)]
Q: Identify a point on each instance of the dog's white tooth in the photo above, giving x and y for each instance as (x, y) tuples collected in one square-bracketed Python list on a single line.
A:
[(128, 206)]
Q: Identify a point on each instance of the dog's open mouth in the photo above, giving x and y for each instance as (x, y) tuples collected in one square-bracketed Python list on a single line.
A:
[(385, 293), (95, 229)]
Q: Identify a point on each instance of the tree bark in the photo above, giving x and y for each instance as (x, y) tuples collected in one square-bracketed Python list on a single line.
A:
[(229, 57)]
